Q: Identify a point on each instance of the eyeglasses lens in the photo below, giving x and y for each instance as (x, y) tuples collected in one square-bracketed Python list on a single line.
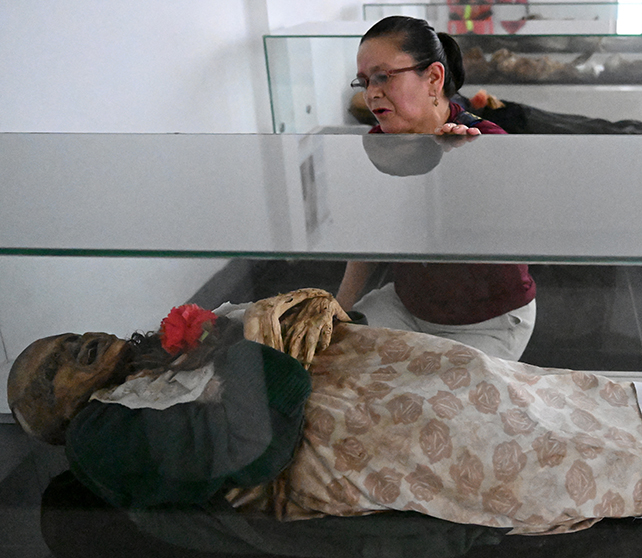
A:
[(378, 79)]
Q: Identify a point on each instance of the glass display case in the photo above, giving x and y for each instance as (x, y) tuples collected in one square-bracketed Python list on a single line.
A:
[(594, 75), (600, 76), (106, 232), (496, 17), (553, 59), (309, 71)]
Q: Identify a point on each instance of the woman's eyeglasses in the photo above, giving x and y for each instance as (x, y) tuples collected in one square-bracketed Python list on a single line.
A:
[(379, 79)]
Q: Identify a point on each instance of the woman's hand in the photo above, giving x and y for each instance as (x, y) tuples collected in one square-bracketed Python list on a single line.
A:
[(455, 135), (450, 128), (298, 323)]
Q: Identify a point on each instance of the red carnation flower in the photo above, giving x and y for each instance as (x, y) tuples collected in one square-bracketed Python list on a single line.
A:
[(184, 327)]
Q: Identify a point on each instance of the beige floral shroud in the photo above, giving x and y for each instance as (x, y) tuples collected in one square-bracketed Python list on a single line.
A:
[(409, 421)]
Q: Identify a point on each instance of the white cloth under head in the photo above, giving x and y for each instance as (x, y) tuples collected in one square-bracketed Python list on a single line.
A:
[(161, 392)]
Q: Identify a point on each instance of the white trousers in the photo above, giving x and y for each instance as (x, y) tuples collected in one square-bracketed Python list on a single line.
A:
[(505, 336)]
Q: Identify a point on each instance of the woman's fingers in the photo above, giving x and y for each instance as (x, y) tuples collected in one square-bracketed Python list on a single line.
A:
[(451, 128)]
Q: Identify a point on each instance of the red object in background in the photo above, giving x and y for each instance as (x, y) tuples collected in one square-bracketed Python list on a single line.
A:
[(472, 16), (475, 16)]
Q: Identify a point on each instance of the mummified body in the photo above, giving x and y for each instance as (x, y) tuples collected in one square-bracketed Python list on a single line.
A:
[(393, 420)]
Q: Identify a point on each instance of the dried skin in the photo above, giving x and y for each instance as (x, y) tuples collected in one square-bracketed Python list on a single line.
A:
[(298, 323)]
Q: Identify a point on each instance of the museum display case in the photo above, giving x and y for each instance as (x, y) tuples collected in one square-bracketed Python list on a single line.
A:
[(93, 222), (109, 231), (598, 75)]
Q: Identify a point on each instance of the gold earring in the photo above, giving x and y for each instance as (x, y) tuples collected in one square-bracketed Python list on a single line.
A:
[(435, 102)]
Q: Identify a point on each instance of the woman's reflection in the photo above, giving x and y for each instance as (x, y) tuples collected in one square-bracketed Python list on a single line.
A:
[(403, 154), (409, 154)]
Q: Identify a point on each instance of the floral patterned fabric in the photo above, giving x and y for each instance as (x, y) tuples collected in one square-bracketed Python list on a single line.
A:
[(408, 421)]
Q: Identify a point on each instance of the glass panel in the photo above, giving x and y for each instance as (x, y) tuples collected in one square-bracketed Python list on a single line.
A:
[(526, 198), (596, 76), (307, 91), (587, 319), (587, 315), (121, 204), (311, 67)]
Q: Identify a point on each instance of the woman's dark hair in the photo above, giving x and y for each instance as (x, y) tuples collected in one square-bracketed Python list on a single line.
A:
[(422, 42)]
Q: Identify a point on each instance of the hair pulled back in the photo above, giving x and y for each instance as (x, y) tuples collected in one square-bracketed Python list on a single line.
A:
[(419, 39)]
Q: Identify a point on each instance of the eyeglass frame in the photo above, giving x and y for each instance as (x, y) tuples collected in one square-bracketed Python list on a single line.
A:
[(356, 83)]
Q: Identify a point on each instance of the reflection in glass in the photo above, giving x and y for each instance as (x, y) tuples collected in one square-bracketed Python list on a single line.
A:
[(403, 154)]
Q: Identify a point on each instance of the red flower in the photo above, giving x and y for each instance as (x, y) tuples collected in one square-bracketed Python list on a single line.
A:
[(184, 327)]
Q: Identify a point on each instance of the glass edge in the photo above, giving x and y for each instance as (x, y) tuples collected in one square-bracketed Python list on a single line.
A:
[(269, 80), (555, 4), (502, 36), (235, 254)]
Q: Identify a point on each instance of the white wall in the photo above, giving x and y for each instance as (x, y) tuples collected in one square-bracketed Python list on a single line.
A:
[(123, 295), (286, 13), (144, 66), (122, 66)]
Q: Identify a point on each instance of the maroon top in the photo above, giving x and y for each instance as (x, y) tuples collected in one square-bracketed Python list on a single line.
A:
[(485, 126), (458, 294)]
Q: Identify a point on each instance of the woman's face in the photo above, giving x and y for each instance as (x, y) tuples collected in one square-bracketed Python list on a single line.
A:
[(403, 105)]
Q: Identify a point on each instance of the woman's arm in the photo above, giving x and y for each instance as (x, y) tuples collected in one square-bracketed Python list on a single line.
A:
[(354, 280)]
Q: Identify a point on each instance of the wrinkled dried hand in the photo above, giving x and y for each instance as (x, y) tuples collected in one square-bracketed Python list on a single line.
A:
[(298, 323)]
